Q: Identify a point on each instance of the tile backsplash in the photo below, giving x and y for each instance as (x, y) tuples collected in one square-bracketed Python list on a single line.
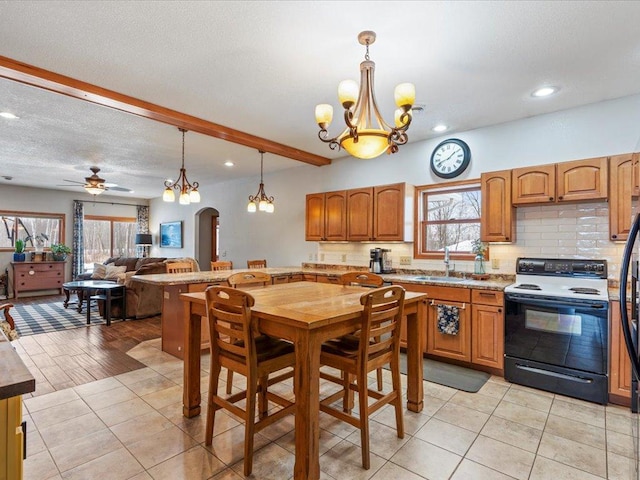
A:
[(554, 231)]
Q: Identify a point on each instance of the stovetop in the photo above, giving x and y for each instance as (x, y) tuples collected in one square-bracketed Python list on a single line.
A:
[(560, 278)]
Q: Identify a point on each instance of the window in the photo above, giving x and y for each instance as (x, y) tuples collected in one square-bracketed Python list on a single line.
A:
[(448, 216), (20, 225), (106, 237)]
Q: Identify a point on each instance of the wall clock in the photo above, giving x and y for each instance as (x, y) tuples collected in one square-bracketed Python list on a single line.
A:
[(450, 158)]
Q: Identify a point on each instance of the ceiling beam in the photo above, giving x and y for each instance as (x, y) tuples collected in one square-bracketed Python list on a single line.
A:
[(54, 82)]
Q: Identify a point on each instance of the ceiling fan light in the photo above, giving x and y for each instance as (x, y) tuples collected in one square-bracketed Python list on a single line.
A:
[(168, 195), (94, 189)]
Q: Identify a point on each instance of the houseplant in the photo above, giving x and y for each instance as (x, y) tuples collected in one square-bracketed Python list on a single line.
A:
[(479, 248), (60, 251), (19, 255)]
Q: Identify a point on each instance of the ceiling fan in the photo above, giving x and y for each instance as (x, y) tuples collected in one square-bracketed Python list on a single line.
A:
[(96, 185)]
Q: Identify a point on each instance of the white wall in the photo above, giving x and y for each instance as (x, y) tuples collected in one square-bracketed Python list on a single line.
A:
[(601, 129), (25, 199)]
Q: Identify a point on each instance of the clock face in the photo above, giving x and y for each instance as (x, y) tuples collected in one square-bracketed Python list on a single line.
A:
[(450, 158)]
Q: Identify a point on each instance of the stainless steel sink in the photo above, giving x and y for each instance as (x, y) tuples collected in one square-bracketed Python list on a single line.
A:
[(425, 278)]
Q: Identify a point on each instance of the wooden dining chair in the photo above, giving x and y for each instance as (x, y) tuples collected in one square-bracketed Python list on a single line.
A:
[(221, 266), (381, 317), (248, 279), (235, 347), (245, 279), (179, 267), (365, 279), (256, 264)]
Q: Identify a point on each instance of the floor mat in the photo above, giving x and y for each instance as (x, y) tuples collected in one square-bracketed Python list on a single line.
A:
[(49, 317), (453, 376)]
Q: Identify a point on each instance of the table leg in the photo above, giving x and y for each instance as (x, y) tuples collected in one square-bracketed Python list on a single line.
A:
[(107, 307), (80, 294), (66, 291), (191, 391), (87, 294), (416, 328), (307, 391)]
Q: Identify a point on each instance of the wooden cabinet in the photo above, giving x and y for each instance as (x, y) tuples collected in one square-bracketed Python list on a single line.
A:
[(456, 346), (326, 218), (360, 214), (498, 215), (573, 181), (381, 213), (533, 184), (581, 180), (619, 362), (636, 173), (487, 327), (32, 276), (622, 180), (328, 279)]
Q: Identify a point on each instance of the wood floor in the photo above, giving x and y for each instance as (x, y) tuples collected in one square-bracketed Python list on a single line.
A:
[(67, 358)]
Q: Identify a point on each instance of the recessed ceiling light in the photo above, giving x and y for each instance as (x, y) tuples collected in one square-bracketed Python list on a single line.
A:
[(440, 128), (228, 163), (544, 91), (8, 115)]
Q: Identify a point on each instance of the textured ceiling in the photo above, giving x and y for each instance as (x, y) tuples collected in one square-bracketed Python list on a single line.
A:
[(260, 67)]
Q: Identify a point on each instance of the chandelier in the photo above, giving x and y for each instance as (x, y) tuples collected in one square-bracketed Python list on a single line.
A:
[(367, 134), (188, 192), (260, 201)]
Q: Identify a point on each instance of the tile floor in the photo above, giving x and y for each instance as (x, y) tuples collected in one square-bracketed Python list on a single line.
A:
[(130, 426)]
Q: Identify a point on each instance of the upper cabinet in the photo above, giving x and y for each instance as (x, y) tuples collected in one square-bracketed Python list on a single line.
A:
[(381, 213), (579, 180), (622, 186), (498, 216), (326, 216)]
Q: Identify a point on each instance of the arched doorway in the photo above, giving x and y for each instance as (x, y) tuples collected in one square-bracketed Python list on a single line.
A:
[(206, 222)]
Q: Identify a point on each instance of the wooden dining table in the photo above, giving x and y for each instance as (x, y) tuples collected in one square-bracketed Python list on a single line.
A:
[(307, 314)]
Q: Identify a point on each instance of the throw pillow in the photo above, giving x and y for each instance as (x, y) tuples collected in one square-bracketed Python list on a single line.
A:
[(99, 271), (113, 272)]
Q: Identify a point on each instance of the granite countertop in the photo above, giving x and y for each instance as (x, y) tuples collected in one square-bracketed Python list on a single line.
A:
[(16, 378), (417, 278)]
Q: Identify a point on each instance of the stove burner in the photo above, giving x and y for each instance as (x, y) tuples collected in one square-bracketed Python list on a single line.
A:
[(585, 291), (528, 286)]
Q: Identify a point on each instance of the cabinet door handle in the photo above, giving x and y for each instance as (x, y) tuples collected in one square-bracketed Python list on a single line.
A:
[(560, 197), (31, 272), (551, 199), (499, 310), (614, 236)]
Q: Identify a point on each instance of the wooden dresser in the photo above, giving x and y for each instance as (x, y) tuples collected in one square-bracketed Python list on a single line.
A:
[(30, 276)]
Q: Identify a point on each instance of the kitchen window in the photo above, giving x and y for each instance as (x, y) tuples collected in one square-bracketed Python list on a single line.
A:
[(20, 225), (447, 216), (106, 237)]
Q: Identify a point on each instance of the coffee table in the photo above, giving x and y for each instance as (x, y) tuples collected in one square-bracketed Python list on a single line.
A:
[(88, 290)]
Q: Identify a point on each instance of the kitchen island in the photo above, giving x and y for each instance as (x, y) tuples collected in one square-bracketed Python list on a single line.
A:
[(15, 381)]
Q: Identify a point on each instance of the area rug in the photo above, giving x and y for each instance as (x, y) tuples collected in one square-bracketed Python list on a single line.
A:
[(49, 317), (453, 376)]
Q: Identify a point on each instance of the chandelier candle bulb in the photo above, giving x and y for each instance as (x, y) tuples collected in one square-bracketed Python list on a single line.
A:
[(324, 114), (347, 93), (405, 95)]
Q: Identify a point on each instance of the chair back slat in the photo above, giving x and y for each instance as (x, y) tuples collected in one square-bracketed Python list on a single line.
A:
[(381, 317), (365, 279), (249, 279), (230, 328), (256, 264), (215, 266), (179, 267)]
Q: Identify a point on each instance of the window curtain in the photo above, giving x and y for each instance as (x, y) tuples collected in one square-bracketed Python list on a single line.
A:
[(77, 248), (142, 220)]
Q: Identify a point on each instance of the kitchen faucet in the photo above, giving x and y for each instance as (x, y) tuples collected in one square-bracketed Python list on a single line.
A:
[(446, 261)]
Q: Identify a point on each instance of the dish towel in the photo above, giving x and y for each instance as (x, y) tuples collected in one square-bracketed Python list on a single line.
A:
[(448, 319)]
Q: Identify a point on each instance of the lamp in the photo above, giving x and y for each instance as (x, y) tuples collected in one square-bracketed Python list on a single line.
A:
[(260, 201), (188, 192), (367, 134), (144, 240)]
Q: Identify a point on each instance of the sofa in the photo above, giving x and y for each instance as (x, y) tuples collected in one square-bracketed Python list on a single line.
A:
[(142, 299)]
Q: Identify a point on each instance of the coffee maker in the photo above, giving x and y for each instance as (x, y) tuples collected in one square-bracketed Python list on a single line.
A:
[(379, 260)]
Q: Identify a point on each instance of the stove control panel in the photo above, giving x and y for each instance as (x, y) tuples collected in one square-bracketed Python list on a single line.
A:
[(562, 267)]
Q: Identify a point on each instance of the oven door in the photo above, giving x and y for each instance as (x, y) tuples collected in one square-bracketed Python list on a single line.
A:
[(559, 345)]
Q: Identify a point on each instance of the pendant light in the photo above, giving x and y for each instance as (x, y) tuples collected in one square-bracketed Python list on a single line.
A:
[(260, 201), (188, 192)]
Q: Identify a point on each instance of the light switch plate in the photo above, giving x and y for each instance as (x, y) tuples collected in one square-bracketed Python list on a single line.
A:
[(405, 260), (344, 257), (495, 263)]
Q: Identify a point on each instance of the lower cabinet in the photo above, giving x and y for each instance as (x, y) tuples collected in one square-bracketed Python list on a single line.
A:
[(328, 279), (487, 325), (619, 362), (456, 346), (11, 438)]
